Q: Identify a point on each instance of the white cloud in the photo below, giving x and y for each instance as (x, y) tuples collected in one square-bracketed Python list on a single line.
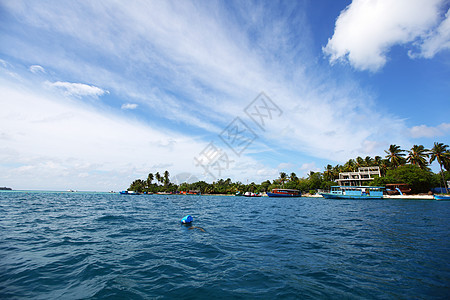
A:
[(129, 106), (367, 29), (309, 167), (200, 72), (78, 89), (37, 69), (55, 144), (429, 131), (438, 40), (285, 166), (90, 150)]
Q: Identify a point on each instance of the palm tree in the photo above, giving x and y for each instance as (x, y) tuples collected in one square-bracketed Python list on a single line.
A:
[(384, 165), (359, 162), (293, 177), (283, 178), (377, 161), (149, 179), (336, 170), (440, 153), (395, 155), (158, 177), (369, 161), (447, 164), (418, 156), (350, 165), (328, 173), (166, 178)]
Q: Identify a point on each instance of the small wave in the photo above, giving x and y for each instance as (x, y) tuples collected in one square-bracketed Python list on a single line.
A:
[(114, 218)]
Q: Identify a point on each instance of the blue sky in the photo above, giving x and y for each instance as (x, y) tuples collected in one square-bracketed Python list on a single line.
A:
[(95, 94)]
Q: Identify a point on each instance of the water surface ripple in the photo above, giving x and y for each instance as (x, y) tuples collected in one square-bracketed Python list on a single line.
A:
[(75, 245)]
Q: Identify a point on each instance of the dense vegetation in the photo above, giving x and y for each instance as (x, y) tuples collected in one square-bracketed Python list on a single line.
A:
[(398, 166)]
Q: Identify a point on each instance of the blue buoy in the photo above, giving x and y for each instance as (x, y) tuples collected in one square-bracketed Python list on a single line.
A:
[(187, 219)]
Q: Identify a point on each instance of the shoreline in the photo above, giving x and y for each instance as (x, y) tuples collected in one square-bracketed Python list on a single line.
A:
[(399, 197)]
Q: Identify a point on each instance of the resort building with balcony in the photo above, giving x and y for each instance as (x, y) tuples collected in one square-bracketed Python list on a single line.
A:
[(362, 177)]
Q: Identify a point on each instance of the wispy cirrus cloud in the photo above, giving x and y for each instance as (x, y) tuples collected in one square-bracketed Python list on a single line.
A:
[(438, 40), (129, 106), (204, 71), (192, 76), (77, 89), (36, 69)]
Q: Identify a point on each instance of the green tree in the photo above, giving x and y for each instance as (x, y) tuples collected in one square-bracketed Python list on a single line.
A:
[(377, 160), (158, 177), (314, 180), (166, 178), (150, 178), (328, 173), (360, 162), (265, 185), (283, 178), (418, 156), (384, 166), (350, 166), (138, 186), (419, 180), (293, 177), (395, 155), (440, 153), (369, 161), (336, 170)]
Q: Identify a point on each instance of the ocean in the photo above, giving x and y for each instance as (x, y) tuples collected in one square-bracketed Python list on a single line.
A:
[(97, 245)]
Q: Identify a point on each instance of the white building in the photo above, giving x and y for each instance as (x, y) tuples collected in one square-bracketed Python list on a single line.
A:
[(362, 177)]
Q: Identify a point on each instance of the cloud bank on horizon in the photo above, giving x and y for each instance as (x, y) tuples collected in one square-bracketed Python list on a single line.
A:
[(96, 94)]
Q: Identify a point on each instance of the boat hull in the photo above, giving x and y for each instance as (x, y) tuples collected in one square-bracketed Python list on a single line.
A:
[(282, 195), (441, 197), (129, 193), (334, 196)]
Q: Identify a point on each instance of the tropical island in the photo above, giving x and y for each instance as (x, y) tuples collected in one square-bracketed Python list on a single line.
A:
[(408, 167), (5, 188)]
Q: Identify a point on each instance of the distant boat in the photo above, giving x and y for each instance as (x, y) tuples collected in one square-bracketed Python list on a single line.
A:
[(284, 193), (193, 192), (129, 193), (250, 194), (441, 197), (354, 192)]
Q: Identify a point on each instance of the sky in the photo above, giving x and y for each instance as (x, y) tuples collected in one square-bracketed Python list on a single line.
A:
[(95, 94)]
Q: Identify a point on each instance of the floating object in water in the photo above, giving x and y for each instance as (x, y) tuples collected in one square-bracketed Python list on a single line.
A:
[(187, 219), (194, 227)]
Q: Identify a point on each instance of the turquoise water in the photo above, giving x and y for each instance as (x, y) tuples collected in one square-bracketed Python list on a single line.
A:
[(73, 245)]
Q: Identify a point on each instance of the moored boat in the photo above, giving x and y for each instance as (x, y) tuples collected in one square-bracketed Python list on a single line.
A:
[(250, 194), (129, 193), (284, 193), (354, 192), (442, 197)]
